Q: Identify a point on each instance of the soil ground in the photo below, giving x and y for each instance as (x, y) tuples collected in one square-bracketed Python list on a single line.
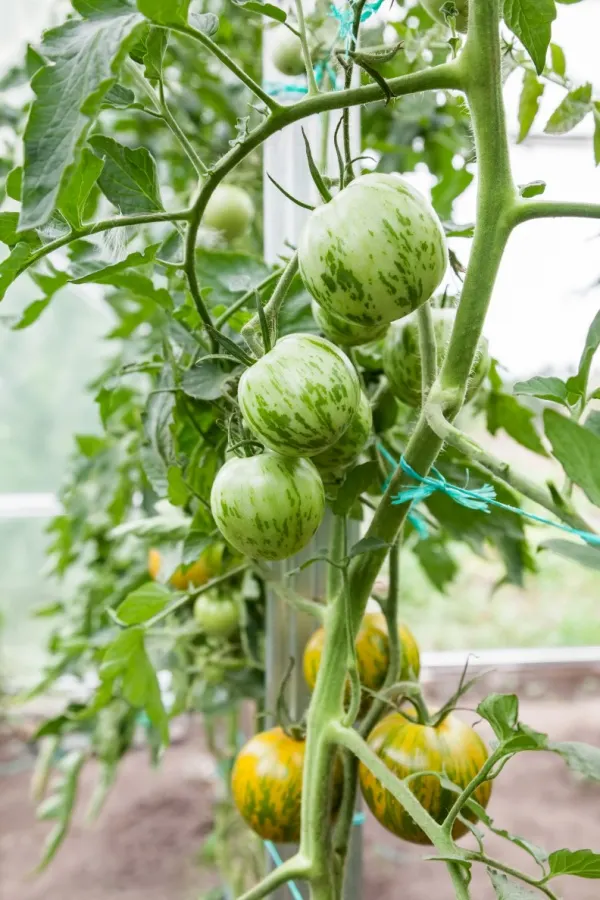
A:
[(146, 842)]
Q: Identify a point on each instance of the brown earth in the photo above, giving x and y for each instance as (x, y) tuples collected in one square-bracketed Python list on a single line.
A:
[(146, 842)]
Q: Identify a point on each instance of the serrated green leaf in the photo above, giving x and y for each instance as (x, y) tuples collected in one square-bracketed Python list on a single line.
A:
[(578, 451), (507, 889), (557, 58), (437, 562), (582, 863), (77, 187), (165, 12), (14, 183), (8, 231), (11, 267), (505, 411), (71, 766), (98, 270), (578, 383), (502, 712), (143, 603), (119, 97), (155, 44), (531, 21), (84, 57), (584, 759), (529, 103), (128, 178), (178, 492), (359, 479), (573, 109), (543, 387), (207, 23), (264, 9), (592, 422), (206, 381), (583, 554)]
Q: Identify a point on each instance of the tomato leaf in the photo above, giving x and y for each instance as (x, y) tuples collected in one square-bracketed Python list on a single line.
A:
[(84, 56), (529, 103), (584, 554), (60, 806), (263, 9), (206, 381), (531, 21), (505, 411), (8, 231), (359, 479), (507, 889), (583, 863), (502, 712), (367, 545), (584, 759), (557, 57), (128, 178), (178, 492), (545, 388), (437, 562), (532, 189), (165, 12), (11, 267), (573, 109), (579, 382), (578, 451), (77, 186), (143, 603)]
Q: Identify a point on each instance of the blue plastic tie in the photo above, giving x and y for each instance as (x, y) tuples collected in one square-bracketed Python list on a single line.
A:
[(416, 519), (479, 499), (358, 819)]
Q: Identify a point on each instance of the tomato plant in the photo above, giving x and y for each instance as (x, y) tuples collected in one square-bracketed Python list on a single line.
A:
[(229, 426)]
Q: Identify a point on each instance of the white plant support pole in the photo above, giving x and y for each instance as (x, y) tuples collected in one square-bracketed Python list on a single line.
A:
[(285, 159)]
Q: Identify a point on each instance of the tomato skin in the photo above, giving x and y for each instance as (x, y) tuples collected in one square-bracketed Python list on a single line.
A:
[(229, 211), (268, 506), (300, 397), (345, 450), (372, 653), (452, 748), (342, 331), (434, 7), (375, 253), (215, 615), (266, 783), (287, 52), (206, 567), (402, 356)]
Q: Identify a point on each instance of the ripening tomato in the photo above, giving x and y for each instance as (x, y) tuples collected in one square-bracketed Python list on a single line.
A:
[(300, 397), (402, 356), (342, 331), (206, 567), (268, 506), (375, 253), (345, 450), (372, 653), (216, 615), (434, 8), (266, 783), (229, 210), (452, 748)]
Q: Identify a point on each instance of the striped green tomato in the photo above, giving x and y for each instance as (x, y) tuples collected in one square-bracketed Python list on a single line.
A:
[(375, 253), (402, 356), (342, 331), (300, 398), (451, 748), (352, 442), (268, 506), (434, 8)]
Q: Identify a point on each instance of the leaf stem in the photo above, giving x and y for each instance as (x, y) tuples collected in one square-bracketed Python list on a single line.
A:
[(181, 601), (310, 75), (526, 210), (296, 867), (428, 349), (469, 790), (169, 118), (245, 298), (251, 329), (224, 57), (349, 69), (516, 873)]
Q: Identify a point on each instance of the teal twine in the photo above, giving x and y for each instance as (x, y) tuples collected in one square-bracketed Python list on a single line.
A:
[(416, 519), (345, 17), (359, 819), (479, 499)]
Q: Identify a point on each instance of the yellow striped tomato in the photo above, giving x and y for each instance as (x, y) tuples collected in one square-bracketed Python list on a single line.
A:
[(451, 748)]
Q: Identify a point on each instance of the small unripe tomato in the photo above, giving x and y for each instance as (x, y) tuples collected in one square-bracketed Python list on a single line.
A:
[(300, 397), (206, 567), (215, 615), (229, 210), (374, 253), (268, 506), (342, 331), (402, 356), (451, 748), (287, 52), (434, 8), (345, 450), (266, 784), (372, 653)]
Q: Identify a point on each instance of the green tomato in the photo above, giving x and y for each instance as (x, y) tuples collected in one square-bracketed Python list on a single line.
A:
[(402, 356), (300, 397), (216, 616), (342, 331), (352, 442), (287, 52), (434, 8), (229, 211), (375, 253), (268, 506)]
